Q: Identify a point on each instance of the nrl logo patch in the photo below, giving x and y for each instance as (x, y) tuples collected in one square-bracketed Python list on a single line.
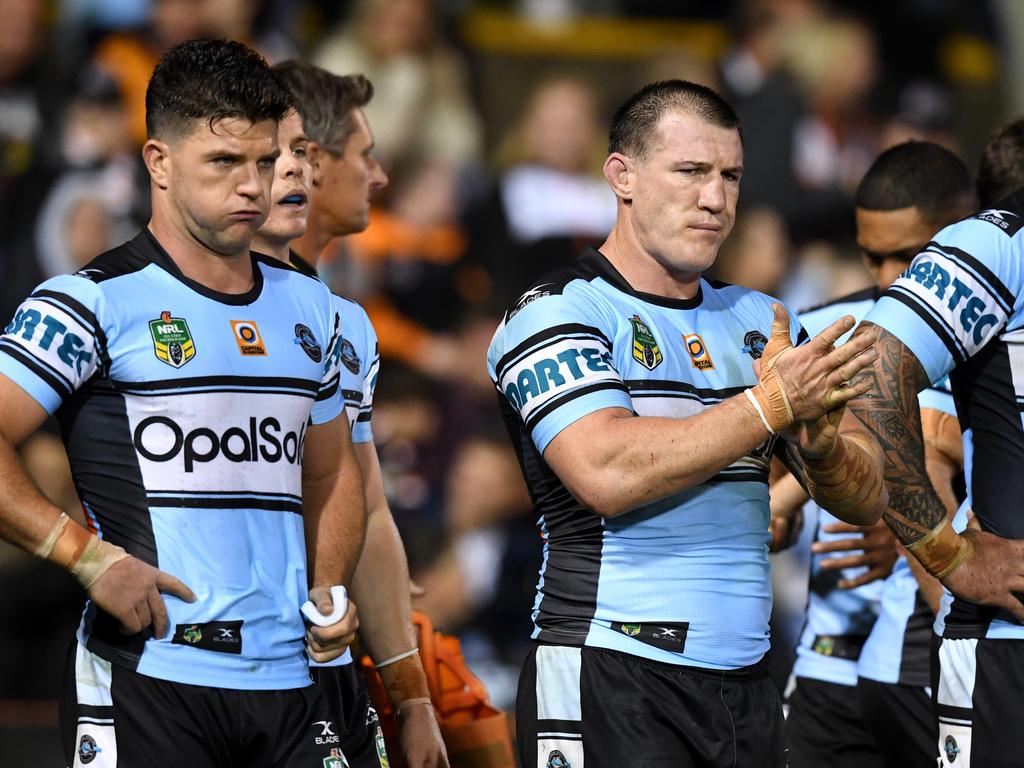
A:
[(645, 346), (172, 340)]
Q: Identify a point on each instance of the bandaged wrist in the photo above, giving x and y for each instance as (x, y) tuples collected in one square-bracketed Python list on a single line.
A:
[(404, 680), (770, 392), (941, 550), (73, 547), (849, 481)]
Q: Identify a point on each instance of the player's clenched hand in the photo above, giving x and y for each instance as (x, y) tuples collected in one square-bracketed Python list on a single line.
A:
[(992, 574), (325, 644), (875, 548), (129, 590), (816, 377), (420, 738)]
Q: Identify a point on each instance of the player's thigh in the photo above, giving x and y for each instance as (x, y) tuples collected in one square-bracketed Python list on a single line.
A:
[(290, 729), (113, 717), (980, 702), (348, 701), (824, 727), (901, 721)]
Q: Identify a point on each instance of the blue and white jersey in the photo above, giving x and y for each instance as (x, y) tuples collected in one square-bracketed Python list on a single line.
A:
[(838, 620), (183, 411), (682, 580), (358, 365), (960, 309)]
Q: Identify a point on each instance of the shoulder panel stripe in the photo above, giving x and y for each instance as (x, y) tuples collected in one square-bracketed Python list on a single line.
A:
[(55, 380), (568, 330), (329, 390), (654, 387), (999, 291), (937, 324), (538, 416)]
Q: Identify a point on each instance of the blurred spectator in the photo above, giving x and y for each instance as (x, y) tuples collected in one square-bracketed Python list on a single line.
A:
[(549, 201), (756, 254), (29, 103), (129, 57), (835, 61), (407, 267), (240, 20), (421, 106), (101, 199)]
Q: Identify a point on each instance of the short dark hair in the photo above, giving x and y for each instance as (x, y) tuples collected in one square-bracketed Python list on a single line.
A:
[(921, 175), (636, 121), (1001, 169), (325, 101), (211, 80)]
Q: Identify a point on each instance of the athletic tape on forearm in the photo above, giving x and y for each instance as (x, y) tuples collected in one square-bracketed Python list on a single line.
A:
[(404, 680), (73, 547), (770, 392), (397, 657), (850, 480), (941, 550)]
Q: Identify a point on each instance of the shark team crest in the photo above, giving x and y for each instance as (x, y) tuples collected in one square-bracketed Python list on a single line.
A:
[(645, 346), (172, 340)]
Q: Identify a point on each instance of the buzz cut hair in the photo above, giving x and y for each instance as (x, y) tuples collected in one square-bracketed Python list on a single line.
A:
[(1001, 168), (211, 80), (325, 101), (921, 175), (635, 125)]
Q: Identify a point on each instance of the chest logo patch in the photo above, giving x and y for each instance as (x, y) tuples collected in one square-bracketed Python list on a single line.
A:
[(172, 340), (645, 346), (248, 338), (305, 339), (699, 355), (754, 343)]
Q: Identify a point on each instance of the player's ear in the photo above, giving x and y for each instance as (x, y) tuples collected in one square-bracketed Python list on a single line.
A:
[(315, 153), (157, 157), (618, 171)]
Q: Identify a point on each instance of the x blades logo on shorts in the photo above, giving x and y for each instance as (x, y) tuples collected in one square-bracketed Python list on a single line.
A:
[(172, 340), (698, 350), (248, 338), (645, 346)]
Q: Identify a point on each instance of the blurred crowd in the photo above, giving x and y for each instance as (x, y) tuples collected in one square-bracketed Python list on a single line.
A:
[(493, 142)]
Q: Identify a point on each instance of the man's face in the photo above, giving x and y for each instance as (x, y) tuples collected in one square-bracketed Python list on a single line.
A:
[(289, 194), (685, 192), (890, 240), (219, 179), (350, 176)]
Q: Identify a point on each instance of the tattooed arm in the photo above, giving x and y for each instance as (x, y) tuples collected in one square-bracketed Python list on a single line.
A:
[(993, 570)]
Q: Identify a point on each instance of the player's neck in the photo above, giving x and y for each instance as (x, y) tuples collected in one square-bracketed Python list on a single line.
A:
[(275, 247), (311, 244), (644, 272), (230, 274)]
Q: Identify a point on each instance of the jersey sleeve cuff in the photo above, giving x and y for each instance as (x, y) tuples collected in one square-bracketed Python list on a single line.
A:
[(326, 410), (546, 430), (916, 334), (28, 381), (362, 432)]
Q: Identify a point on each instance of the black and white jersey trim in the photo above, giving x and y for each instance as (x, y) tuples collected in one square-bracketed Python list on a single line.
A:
[(555, 333), (942, 329)]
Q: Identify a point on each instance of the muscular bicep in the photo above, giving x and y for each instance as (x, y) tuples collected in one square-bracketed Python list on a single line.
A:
[(20, 413), (327, 450), (890, 411)]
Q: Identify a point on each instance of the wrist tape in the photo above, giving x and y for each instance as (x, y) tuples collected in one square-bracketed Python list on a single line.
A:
[(405, 681), (770, 393), (850, 480), (73, 547), (941, 550)]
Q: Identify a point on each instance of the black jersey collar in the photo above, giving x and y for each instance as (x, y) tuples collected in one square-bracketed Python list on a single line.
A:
[(598, 263), (151, 250), (302, 266)]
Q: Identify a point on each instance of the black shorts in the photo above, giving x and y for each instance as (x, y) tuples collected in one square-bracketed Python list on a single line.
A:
[(113, 717), (978, 691), (901, 721), (607, 709), (348, 701), (824, 728)]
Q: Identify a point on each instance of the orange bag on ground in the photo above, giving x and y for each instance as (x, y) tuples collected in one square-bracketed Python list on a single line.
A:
[(475, 733)]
